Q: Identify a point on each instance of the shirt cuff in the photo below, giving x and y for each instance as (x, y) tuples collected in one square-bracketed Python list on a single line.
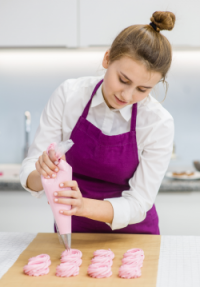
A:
[(122, 212), (23, 180)]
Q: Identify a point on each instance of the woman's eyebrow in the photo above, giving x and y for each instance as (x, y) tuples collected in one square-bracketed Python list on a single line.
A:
[(131, 81)]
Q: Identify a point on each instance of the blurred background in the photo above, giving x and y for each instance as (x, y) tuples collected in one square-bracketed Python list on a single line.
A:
[(45, 42)]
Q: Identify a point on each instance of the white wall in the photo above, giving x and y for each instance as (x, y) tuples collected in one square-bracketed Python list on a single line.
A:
[(82, 23), (28, 77)]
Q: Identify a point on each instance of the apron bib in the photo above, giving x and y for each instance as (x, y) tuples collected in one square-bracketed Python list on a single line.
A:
[(102, 166)]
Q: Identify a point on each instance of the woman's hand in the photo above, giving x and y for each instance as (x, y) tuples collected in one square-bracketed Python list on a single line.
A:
[(47, 164), (73, 198)]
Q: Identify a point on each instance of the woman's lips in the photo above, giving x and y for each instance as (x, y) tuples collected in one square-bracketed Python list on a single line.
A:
[(120, 102)]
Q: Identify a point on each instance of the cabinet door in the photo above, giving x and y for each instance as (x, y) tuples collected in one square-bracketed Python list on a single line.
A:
[(102, 20), (38, 23)]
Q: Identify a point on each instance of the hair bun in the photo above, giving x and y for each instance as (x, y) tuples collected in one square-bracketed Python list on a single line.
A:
[(163, 20)]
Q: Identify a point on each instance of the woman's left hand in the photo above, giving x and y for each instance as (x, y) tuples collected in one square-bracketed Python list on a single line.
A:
[(73, 198)]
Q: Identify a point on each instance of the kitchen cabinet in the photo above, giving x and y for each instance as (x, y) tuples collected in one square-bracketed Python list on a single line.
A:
[(38, 23), (101, 21), (83, 23)]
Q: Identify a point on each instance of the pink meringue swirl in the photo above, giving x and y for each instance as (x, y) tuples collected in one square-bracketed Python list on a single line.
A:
[(104, 260), (72, 253), (67, 269), (70, 262), (133, 261), (105, 253), (99, 270), (134, 253), (127, 272), (38, 265), (74, 261)]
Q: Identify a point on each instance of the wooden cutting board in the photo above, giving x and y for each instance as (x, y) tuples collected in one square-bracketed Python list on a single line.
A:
[(86, 242)]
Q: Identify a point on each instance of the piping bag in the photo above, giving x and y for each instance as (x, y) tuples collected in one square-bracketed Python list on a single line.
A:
[(63, 222)]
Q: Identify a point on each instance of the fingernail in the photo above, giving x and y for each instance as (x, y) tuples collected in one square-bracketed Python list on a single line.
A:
[(55, 162), (48, 176), (61, 211), (55, 199), (53, 175), (61, 185), (55, 193), (56, 169)]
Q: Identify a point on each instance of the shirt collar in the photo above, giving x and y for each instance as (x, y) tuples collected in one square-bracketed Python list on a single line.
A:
[(126, 112)]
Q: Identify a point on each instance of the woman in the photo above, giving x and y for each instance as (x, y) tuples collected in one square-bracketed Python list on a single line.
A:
[(122, 136)]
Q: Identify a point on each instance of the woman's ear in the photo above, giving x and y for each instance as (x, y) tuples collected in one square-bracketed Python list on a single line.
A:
[(105, 61)]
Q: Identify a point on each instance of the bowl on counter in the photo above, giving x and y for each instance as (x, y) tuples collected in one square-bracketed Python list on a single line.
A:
[(196, 164)]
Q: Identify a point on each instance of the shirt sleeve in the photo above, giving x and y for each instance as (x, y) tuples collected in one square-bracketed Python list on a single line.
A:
[(49, 130), (154, 159)]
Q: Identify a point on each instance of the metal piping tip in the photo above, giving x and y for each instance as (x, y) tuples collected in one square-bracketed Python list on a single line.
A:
[(66, 239)]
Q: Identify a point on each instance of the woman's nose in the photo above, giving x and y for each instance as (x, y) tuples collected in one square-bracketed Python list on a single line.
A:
[(127, 95)]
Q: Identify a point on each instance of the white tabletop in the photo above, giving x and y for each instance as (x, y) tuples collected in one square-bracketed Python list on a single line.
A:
[(179, 262)]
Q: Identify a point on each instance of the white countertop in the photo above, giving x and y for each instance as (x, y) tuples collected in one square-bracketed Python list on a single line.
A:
[(179, 262)]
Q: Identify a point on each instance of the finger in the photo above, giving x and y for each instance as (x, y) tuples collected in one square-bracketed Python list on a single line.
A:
[(66, 201), (67, 193), (47, 160), (71, 183), (63, 157), (53, 157), (72, 211), (44, 166), (40, 170)]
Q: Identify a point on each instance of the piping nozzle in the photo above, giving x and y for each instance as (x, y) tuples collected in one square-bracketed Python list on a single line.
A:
[(66, 239)]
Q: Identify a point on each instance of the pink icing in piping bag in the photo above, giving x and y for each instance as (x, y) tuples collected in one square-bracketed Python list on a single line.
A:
[(51, 185)]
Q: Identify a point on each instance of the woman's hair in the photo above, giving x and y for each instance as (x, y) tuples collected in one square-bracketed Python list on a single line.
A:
[(145, 43)]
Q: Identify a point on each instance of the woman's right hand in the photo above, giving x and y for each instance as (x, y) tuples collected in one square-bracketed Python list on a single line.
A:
[(47, 164)]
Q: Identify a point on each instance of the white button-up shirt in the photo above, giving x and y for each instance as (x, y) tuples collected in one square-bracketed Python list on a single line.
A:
[(154, 133)]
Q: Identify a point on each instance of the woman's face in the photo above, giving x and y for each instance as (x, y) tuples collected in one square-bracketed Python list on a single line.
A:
[(126, 81)]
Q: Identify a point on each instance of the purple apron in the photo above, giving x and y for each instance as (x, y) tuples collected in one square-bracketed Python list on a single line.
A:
[(102, 166)]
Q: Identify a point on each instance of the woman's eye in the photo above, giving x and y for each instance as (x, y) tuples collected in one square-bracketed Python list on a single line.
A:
[(123, 81), (142, 91)]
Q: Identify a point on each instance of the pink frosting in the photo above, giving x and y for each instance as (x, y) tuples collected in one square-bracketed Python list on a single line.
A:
[(99, 270), (100, 259), (70, 262), (101, 264), (105, 253), (67, 269), (133, 262), (72, 253), (73, 261), (127, 272), (38, 265), (134, 253)]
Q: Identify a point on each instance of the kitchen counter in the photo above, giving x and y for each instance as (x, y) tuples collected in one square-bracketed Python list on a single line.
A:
[(179, 185), (179, 260), (10, 181), (167, 185)]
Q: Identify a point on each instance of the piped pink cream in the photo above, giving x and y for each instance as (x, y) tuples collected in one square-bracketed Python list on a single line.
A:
[(131, 263), (70, 262), (38, 265), (101, 264)]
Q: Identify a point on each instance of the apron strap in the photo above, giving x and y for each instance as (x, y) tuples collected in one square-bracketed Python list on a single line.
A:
[(86, 110), (133, 117)]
